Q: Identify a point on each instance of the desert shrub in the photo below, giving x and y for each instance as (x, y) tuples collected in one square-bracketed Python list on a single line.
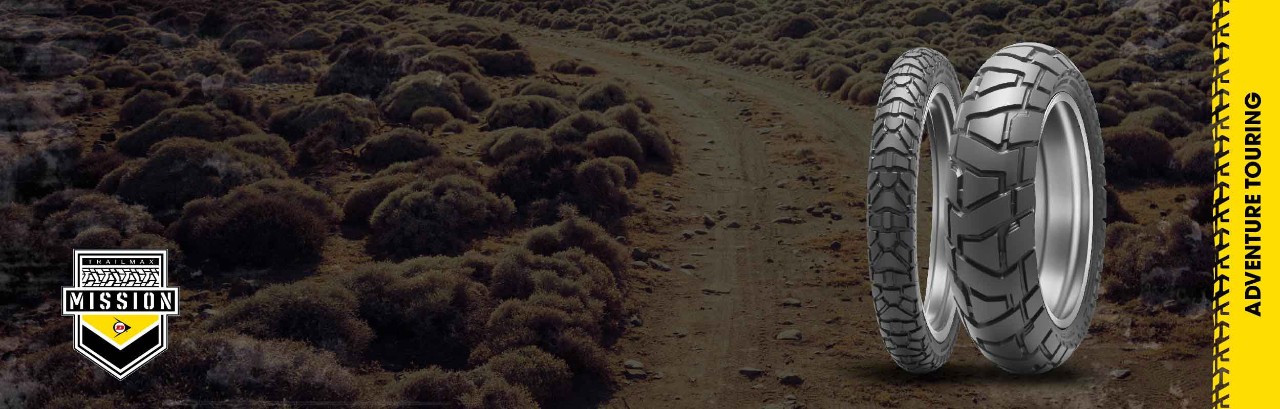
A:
[(543, 88), (45, 60), (300, 194), (24, 111), (252, 228), (436, 167), (67, 98), (1135, 153), (249, 53), (474, 93), (525, 112), (572, 281), (143, 106), (304, 58), (352, 118), (120, 76), (281, 74), (24, 243), (453, 127), (422, 90), (601, 190), (630, 170), (92, 210), (548, 378), (309, 39), (1122, 69), (204, 169), (493, 391), (1194, 157), (397, 145), (425, 300), (1170, 260), (926, 15), (539, 181), (260, 30), (833, 77), (205, 366), (265, 145), (575, 128), (1115, 209), (236, 101), (201, 122), (218, 365), (94, 165), (509, 63), (614, 142), (38, 162), (468, 390), (361, 70), (436, 217), (507, 142), (96, 238), (993, 9), (565, 66), (429, 118), (445, 60), (583, 234), (1109, 115), (431, 385), (550, 322), (369, 194), (208, 63), (1160, 119), (602, 96), (798, 26), (322, 315), (657, 147)]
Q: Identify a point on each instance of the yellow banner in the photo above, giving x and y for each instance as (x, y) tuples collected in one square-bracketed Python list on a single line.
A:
[(1246, 101)]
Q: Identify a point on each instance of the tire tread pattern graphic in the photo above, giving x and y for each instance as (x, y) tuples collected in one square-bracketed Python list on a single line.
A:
[(891, 201), (991, 210)]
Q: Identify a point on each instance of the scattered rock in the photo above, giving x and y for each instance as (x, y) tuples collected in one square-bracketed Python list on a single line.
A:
[(788, 220), (835, 245), (635, 321), (659, 265), (242, 287), (714, 291), (1120, 373), (708, 221), (640, 254), (640, 265), (701, 232), (632, 364), (750, 372), (733, 224), (789, 378), (791, 302), (689, 266), (688, 234), (635, 374), (789, 335)]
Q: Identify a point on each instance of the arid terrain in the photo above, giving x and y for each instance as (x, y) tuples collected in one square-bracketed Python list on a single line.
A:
[(645, 222)]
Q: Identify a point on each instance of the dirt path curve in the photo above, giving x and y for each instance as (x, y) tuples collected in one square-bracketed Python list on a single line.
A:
[(756, 150)]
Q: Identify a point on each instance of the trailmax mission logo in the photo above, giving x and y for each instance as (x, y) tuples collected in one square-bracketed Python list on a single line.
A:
[(120, 303)]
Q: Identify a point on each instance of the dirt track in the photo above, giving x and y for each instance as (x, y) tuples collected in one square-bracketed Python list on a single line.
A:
[(762, 149)]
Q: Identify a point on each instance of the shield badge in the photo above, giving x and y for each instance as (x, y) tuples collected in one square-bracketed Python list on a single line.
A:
[(120, 302)]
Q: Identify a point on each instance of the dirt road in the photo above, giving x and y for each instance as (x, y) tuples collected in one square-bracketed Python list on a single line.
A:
[(763, 228)]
